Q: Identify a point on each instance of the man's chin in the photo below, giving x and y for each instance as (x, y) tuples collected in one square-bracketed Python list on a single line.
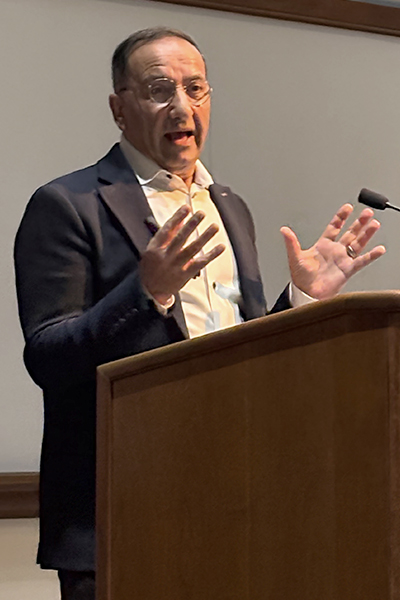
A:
[(181, 163)]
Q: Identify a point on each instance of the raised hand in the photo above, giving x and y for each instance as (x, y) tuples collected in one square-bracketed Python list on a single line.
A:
[(167, 264), (322, 270)]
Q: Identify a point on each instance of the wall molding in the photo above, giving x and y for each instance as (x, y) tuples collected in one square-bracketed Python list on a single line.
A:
[(348, 14), (19, 495)]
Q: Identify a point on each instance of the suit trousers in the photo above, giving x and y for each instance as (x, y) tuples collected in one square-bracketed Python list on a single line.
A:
[(77, 585)]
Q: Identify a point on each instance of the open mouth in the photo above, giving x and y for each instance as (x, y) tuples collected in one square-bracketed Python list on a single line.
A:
[(178, 136)]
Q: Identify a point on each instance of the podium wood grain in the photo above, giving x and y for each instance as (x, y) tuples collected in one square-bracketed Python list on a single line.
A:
[(257, 463)]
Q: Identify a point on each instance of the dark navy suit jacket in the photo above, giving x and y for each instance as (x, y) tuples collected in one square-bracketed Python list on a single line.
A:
[(81, 304)]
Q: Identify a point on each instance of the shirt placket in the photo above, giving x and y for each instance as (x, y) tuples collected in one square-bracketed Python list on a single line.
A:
[(191, 201)]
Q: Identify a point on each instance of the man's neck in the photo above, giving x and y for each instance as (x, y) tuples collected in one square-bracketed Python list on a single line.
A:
[(187, 180), (146, 169)]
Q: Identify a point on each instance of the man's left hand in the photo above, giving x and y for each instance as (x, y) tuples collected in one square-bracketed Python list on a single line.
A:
[(322, 270)]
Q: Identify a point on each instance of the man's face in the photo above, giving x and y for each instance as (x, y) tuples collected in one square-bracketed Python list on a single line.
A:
[(173, 135)]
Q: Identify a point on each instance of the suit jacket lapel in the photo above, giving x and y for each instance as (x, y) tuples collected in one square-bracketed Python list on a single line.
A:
[(125, 198)]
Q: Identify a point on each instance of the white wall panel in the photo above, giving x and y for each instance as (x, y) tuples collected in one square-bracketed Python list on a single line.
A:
[(303, 117)]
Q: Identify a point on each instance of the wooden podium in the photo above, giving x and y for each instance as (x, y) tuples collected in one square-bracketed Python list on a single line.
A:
[(257, 463)]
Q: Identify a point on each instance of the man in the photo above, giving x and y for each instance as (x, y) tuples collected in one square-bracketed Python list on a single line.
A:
[(135, 252)]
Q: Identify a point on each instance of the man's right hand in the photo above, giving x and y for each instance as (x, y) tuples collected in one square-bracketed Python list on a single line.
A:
[(167, 264)]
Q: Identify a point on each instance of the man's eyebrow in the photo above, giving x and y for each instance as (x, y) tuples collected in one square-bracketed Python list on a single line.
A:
[(153, 77), (150, 78), (195, 78)]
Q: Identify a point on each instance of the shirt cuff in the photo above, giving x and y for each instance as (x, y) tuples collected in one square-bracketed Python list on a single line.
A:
[(298, 298), (161, 308)]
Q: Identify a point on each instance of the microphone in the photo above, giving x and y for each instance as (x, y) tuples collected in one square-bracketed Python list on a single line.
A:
[(375, 200)]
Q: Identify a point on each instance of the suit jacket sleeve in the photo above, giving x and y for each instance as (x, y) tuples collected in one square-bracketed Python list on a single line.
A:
[(69, 326)]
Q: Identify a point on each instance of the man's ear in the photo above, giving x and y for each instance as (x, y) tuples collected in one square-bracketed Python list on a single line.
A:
[(115, 103)]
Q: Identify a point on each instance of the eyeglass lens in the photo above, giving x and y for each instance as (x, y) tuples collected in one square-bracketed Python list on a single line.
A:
[(163, 90)]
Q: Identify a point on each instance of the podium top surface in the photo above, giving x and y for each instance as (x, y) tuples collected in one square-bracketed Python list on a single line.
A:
[(318, 320)]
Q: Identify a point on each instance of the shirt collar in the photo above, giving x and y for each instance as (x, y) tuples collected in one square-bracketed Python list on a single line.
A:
[(150, 174)]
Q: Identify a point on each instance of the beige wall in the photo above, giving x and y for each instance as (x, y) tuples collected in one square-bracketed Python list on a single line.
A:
[(20, 577), (303, 117)]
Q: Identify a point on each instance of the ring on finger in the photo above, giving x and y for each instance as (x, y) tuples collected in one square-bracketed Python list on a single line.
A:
[(351, 252)]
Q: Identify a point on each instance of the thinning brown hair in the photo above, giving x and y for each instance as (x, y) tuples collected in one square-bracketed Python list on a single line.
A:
[(119, 65)]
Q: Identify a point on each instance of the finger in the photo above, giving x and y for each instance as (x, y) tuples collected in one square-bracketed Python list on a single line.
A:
[(336, 224), (365, 259), (182, 235), (167, 231), (359, 224), (193, 267), (195, 247), (364, 236)]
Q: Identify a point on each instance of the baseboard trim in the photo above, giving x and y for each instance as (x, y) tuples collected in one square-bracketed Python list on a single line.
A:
[(19, 495)]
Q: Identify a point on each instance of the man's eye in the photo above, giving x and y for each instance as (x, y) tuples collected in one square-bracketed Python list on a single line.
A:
[(158, 88), (196, 89), (161, 91)]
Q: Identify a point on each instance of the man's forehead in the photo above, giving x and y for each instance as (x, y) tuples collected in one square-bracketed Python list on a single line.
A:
[(163, 53)]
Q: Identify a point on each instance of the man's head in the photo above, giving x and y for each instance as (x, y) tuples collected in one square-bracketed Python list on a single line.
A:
[(161, 97)]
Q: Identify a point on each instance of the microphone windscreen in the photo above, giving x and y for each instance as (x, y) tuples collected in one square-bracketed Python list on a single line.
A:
[(372, 199)]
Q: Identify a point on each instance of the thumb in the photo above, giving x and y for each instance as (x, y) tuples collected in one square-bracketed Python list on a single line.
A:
[(292, 244)]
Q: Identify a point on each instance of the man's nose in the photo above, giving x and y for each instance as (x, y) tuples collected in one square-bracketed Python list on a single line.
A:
[(180, 103)]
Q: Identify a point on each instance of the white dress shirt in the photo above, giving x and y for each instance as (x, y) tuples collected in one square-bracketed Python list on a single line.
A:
[(210, 301)]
